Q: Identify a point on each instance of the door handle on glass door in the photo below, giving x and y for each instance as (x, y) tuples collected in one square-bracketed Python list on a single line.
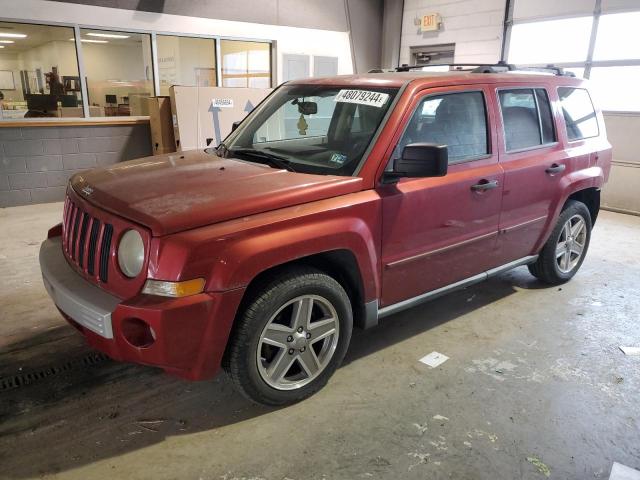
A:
[(484, 184), (555, 168)]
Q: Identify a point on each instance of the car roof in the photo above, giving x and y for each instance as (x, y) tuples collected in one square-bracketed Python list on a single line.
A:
[(426, 79)]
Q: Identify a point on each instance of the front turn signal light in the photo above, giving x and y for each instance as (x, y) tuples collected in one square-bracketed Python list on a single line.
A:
[(174, 289)]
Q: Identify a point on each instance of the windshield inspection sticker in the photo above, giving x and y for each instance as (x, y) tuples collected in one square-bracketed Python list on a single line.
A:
[(222, 102), (362, 97)]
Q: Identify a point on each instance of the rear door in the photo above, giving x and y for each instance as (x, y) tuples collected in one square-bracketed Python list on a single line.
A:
[(534, 164), (437, 231)]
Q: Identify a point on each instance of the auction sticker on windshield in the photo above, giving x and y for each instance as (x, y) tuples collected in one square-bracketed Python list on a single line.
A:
[(362, 97)]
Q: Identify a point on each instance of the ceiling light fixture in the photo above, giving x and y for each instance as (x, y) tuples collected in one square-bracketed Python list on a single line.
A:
[(107, 35), (7, 41), (86, 40), (12, 35)]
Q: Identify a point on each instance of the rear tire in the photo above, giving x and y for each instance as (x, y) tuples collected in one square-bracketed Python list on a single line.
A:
[(290, 337), (566, 248)]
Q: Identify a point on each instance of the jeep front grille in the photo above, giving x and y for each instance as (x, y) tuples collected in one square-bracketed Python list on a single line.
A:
[(86, 241)]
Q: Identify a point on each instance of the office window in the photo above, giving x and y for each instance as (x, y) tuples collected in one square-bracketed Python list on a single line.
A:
[(618, 37), (579, 115), (38, 72), (527, 119), (119, 72), (553, 41), (245, 64), (186, 61), (457, 120)]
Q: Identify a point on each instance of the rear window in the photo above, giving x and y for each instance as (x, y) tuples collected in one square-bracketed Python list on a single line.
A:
[(579, 114), (527, 118)]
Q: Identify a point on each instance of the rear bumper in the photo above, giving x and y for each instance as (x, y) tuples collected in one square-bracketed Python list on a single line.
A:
[(189, 334)]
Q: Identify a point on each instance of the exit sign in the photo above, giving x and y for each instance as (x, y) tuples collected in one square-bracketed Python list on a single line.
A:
[(430, 22)]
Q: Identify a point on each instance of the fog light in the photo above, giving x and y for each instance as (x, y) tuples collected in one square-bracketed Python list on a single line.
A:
[(138, 333)]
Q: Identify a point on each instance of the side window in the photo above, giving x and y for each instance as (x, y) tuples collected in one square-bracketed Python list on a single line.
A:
[(527, 118), (579, 114), (458, 120)]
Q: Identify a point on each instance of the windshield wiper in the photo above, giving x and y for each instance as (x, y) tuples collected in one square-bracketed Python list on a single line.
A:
[(269, 158)]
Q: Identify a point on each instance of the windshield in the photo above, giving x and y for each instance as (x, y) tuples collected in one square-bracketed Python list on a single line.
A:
[(311, 128)]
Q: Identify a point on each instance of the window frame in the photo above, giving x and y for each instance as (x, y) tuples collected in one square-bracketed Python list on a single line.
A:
[(247, 75), (595, 114), (76, 27), (423, 98), (533, 88)]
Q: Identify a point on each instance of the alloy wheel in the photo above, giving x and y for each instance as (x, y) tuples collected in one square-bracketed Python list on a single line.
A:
[(571, 243), (298, 342)]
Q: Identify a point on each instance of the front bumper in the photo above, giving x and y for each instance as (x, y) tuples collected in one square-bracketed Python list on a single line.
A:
[(190, 333)]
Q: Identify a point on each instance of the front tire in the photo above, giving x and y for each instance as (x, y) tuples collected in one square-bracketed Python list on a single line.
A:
[(566, 248), (290, 337)]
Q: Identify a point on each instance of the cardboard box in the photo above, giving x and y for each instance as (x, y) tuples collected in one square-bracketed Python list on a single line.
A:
[(207, 113), (162, 140)]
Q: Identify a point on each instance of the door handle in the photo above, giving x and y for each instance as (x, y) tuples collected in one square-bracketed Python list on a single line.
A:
[(484, 184), (556, 168)]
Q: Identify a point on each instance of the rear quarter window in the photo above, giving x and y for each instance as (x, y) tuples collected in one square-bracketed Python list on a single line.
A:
[(578, 112), (527, 118)]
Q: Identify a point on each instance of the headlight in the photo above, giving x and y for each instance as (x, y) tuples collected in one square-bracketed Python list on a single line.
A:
[(131, 253)]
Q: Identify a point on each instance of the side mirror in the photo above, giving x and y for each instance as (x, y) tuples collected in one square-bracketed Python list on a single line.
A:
[(235, 125), (422, 160)]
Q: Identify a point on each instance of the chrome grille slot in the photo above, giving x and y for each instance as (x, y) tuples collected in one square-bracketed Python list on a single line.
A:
[(105, 250), (93, 245), (83, 237), (74, 233)]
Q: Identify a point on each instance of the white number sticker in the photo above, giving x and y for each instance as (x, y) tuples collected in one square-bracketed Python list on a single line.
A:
[(362, 97), (222, 102)]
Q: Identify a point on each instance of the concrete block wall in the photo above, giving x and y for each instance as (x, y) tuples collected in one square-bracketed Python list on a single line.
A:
[(36, 162)]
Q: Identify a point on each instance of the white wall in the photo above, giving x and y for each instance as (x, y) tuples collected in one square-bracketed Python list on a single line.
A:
[(303, 41), (475, 26), (623, 190)]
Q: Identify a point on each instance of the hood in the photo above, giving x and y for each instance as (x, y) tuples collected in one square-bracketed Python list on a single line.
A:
[(180, 191)]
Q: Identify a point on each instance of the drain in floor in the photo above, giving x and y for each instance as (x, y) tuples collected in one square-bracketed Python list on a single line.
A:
[(23, 379)]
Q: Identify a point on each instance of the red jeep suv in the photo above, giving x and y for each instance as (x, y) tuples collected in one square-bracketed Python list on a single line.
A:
[(334, 203)]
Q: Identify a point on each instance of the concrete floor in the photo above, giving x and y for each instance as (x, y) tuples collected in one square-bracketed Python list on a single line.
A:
[(535, 381)]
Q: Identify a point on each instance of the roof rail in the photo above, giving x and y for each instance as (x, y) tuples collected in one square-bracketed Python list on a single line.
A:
[(549, 69), (474, 67), (499, 67)]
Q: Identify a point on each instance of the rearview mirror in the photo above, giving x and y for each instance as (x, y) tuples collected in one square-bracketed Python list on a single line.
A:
[(307, 108), (235, 125), (422, 160)]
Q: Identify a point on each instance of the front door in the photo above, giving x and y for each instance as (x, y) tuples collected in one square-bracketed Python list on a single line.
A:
[(437, 231)]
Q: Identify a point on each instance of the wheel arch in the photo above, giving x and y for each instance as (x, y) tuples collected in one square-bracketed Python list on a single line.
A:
[(590, 197), (340, 264)]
